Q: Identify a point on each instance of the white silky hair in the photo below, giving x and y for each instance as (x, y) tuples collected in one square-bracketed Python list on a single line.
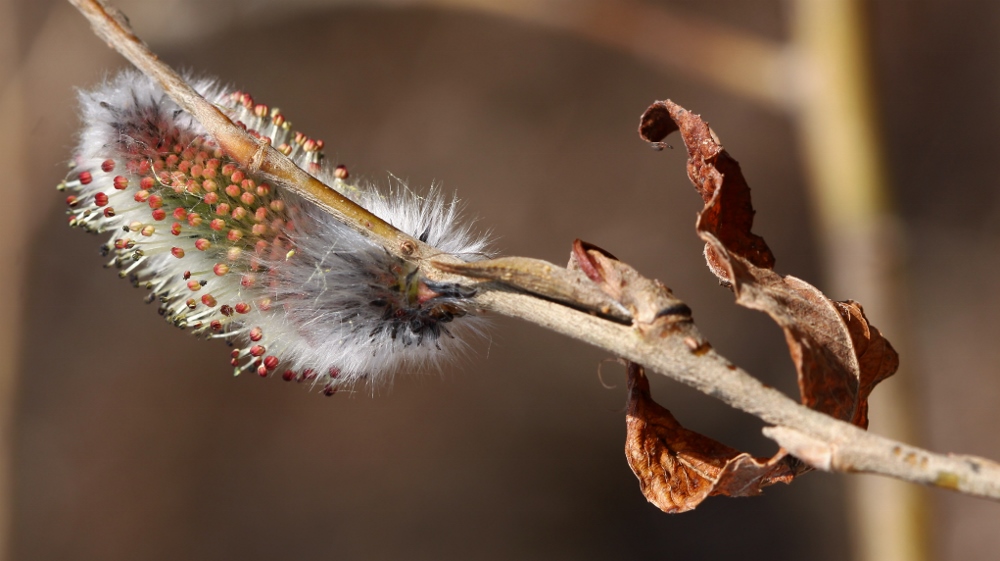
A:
[(335, 309)]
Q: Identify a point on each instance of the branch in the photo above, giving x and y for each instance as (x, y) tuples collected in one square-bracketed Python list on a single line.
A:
[(648, 326)]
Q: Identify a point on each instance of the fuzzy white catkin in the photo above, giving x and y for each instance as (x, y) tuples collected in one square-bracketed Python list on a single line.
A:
[(232, 255)]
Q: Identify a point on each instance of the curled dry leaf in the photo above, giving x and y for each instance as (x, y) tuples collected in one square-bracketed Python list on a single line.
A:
[(838, 355), (719, 181), (677, 468)]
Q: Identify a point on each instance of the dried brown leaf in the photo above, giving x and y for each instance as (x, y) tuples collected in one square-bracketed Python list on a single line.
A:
[(876, 357), (678, 468), (719, 181), (839, 356)]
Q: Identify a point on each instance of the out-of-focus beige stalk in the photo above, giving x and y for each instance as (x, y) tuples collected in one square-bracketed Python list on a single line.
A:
[(836, 119)]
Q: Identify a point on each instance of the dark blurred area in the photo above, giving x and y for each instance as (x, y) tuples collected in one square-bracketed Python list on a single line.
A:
[(133, 441)]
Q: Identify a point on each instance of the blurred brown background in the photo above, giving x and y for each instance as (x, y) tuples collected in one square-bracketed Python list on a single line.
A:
[(131, 440)]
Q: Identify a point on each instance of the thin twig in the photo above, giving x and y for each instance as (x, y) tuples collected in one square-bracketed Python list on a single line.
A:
[(818, 439)]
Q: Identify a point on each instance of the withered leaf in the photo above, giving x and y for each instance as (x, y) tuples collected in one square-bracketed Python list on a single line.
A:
[(839, 356), (717, 178), (876, 357), (678, 468)]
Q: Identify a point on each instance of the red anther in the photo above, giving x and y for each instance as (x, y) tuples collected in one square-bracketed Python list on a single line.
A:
[(329, 391), (216, 325), (71, 200), (120, 243), (184, 167), (209, 185), (159, 214), (226, 310), (155, 201), (260, 214), (309, 146), (233, 190), (247, 281), (172, 160), (270, 362), (193, 285), (278, 119), (220, 269), (148, 230), (194, 219), (264, 304), (247, 198), (257, 350), (191, 303), (100, 199), (256, 334), (260, 247), (109, 212), (209, 300), (248, 184), (334, 372), (222, 208), (180, 213), (278, 205), (235, 353), (211, 198), (239, 213), (242, 307), (186, 275), (201, 244), (108, 166), (288, 375), (120, 182), (237, 176), (261, 110), (234, 362), (197, 170), (177, 252), (175, 228), (234, 235), (218, 224), (85, 177), (263, 189), (141, 196), (259, 229), (262, 371), (340, 172), (147, 183)]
